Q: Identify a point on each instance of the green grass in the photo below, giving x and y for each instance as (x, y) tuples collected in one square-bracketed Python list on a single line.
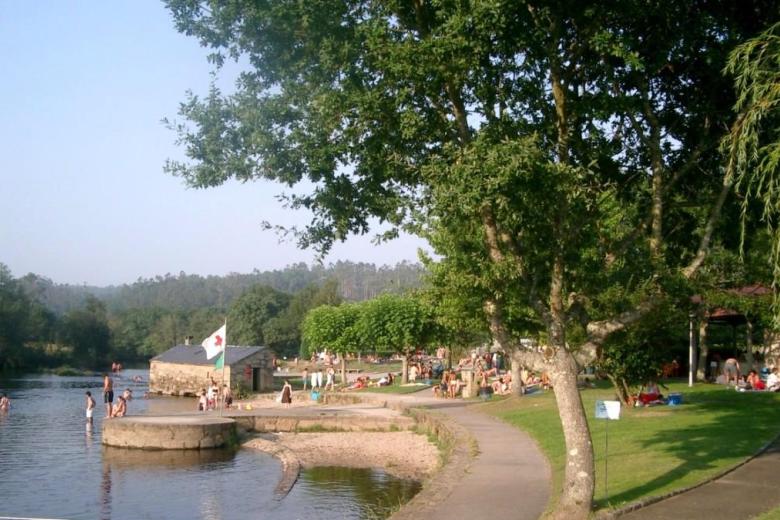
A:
[(378, 368), (395, 388), (655, 450), (774, 514)]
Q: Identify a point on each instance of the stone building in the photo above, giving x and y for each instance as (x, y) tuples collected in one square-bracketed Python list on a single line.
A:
[(184, 370)]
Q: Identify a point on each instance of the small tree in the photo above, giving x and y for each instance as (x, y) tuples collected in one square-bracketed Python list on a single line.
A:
[(393, 323), (333, 328)]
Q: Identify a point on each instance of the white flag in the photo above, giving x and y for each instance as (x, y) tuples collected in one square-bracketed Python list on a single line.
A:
[(215, 344)]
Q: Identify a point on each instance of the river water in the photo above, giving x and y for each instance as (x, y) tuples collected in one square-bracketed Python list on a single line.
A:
[(53, 466)]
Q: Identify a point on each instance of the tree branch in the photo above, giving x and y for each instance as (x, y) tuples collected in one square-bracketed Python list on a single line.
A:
[(704, 243)]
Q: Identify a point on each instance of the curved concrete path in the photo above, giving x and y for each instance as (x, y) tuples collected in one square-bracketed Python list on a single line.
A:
[(748, 491), (509, 478)]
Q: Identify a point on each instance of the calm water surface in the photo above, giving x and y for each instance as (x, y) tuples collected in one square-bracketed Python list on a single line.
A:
[(52, 466)]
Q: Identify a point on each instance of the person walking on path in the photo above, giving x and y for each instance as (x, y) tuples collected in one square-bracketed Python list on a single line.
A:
[(90, 408), (108, 393), (305, 377), (286, 394)]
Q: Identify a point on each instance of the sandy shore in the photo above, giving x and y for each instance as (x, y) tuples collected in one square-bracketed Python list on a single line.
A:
[(402, 454)]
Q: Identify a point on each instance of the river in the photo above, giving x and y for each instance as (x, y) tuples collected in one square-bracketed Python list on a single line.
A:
[(53, 466)]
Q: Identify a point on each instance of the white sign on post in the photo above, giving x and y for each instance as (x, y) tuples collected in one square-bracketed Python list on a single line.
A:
[(608, 410)]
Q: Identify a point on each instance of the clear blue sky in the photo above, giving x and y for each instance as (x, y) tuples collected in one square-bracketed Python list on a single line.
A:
[(84, 85)]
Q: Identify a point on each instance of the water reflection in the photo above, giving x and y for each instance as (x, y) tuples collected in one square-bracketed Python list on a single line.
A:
[(169, 459), (105, 493), (364, 493)]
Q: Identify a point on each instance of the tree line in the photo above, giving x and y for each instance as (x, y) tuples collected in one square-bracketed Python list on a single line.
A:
[(48, 325), (356, 281)]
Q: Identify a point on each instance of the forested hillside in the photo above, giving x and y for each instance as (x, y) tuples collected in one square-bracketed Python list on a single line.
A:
[(45, 324), (356, 281)]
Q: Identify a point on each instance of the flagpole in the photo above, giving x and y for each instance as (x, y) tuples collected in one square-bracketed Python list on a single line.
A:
[(222, 383)]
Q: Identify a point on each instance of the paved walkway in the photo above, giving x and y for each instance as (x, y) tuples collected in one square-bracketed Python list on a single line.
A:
[(509, 478), (748, 491)]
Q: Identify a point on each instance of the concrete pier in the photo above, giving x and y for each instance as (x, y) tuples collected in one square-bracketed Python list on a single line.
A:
[(169, 432)]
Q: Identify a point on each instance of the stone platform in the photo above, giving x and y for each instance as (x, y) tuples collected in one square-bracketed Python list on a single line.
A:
[(169, 432)]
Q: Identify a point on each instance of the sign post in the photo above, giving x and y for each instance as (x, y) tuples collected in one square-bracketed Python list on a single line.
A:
[(609, 410)]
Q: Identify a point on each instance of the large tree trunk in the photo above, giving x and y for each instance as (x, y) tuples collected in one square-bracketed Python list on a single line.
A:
[(579, 479), (704, 350), (344, 369), (405, 368), (517, 383)]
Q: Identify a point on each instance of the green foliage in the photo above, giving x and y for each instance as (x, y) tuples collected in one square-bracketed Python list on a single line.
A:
[(250, 313), (753, 145), (87, 333), (33, 337), (390, 324), (631, 357), (283, 332), (333, 328), (387, 325), (188, 292)]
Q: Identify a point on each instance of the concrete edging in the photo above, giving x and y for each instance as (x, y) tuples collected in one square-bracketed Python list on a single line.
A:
[(458, 459), (291, 466)]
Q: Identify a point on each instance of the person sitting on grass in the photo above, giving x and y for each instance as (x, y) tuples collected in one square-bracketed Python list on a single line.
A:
[(651, 394), (755, 381), (502, 385), (360, 382), (386, 380), (773, 381)]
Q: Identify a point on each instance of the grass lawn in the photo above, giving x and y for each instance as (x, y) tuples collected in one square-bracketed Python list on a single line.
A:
[(379, 368), (774, 514), (654, 450), (396, 388)]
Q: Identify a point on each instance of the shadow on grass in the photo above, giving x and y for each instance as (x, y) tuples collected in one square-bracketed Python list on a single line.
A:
[(733, 426)]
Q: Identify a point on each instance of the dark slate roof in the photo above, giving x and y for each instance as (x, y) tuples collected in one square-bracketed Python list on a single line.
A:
[(196, 355)]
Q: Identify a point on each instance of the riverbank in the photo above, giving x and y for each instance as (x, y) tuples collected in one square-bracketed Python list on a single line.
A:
[(402, 454)]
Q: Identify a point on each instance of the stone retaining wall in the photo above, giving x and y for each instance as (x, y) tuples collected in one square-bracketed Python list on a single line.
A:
[(346, 423)]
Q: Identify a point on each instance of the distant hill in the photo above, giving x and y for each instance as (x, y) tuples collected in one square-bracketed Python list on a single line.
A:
[(357, 281)]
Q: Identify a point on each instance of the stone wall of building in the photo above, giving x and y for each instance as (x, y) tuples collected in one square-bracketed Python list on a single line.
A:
[(240, 374), (176, 379), (188, 380)]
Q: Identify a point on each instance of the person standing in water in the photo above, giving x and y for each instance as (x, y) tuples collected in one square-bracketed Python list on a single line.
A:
[(108, 393), (5, 403), (90, 408)]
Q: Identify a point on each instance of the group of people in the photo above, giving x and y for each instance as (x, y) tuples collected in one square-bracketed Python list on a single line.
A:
[(209, 397), (118, 409), (487, 374), (752, 381), (318, 377), (732, 374), (424, 370)]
